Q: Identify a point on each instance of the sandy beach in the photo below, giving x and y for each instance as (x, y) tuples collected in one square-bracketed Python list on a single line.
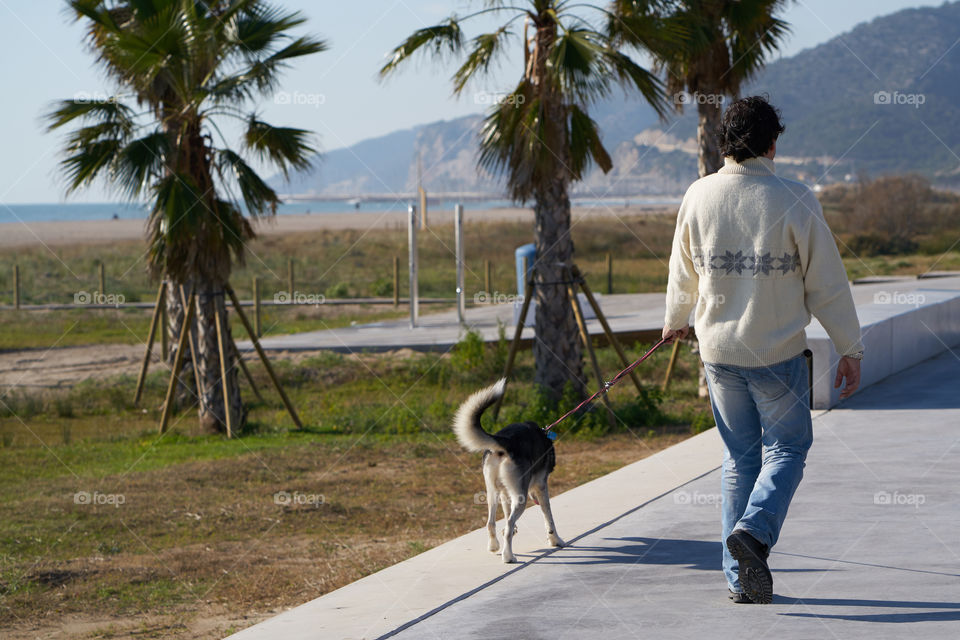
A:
[(24, 234)]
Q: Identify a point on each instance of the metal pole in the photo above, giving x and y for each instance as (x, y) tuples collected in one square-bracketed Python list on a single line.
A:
[(458, 238), (412, 252)]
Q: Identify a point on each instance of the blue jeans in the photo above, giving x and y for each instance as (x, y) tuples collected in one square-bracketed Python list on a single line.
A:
[(763, 416)]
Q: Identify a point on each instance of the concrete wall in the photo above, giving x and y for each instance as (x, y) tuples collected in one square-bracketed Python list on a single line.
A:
[(899, 328)]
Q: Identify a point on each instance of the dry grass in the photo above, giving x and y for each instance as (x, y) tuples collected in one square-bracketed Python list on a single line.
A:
[(198, 546)]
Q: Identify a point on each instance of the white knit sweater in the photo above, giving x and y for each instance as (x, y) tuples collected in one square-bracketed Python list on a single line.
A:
[(753, 255)]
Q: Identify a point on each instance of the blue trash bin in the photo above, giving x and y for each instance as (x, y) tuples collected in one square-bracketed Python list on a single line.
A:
[(528, 251)]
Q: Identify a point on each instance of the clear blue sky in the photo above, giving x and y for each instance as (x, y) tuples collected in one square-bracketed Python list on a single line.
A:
[(342, 100)]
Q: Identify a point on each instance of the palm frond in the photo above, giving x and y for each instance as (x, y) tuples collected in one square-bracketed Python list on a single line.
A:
[(486, 48), (585, 144), (258, 196), (286, 147), (438, 40)]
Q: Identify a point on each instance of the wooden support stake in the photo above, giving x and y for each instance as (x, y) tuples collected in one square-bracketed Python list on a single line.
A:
[(585, 336), (263, 358), (606, 327), (154, 321), (246, 371), (396, 281), (487, 276), (223, 370), (177, 361), (101, 272), (164, 327), (194, 349), (673, 361), (16, 286), (256, 307), (515, 344)]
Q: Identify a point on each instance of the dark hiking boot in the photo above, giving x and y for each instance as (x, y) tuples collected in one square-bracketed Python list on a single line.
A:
[(751, 556), (740, 598)]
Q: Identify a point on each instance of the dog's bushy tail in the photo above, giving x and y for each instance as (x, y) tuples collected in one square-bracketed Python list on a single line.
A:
[(466, 424)]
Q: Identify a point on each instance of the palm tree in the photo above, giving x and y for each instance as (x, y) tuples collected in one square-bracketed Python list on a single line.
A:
[(181, 68), (540, 134), (725, 42)]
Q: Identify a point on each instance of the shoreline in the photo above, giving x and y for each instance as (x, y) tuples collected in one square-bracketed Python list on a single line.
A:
[(89, 232)]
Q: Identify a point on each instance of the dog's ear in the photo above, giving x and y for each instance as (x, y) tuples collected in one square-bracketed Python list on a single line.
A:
[(532, 424)]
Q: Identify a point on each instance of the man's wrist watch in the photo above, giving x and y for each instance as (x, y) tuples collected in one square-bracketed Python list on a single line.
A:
[(856, 356)]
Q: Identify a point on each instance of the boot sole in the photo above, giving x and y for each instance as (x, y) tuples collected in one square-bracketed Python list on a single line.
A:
[(755, 577)]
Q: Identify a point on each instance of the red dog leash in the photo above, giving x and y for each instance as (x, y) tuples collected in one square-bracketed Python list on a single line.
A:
[(606, 386)]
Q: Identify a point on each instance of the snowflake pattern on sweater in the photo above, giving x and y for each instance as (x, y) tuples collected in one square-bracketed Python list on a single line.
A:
[(759, 264)]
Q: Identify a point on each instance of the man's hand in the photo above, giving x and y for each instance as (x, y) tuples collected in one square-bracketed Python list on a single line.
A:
[(669, 335), (849, 370)]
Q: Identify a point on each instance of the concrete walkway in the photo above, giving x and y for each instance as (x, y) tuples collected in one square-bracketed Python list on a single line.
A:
[(870, 549), (638, 314)]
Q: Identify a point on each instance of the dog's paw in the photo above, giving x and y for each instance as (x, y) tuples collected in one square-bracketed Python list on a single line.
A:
[(494, 546), (508, 557), (556, 541)]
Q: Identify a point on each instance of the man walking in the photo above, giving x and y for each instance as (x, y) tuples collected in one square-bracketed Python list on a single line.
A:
[(753, 256)]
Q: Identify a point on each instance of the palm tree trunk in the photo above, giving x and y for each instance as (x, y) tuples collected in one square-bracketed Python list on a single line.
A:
[(708, 162), (210, 303), (708, 120), (556, 349)]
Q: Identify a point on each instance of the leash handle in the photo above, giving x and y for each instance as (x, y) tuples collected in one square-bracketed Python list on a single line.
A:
[(607, 385)]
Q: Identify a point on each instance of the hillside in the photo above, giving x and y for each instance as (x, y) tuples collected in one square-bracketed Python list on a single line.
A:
[(882, 98)]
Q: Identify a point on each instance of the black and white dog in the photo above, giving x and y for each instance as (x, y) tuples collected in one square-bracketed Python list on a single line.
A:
[(516, 462)]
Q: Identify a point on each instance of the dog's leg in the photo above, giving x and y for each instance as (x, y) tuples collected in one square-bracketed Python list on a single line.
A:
[(518, 502), (489, 473), (543, 494), (505, 502)]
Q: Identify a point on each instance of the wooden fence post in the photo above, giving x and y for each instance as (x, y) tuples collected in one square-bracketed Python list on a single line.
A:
[(16, 286), (487, 276), (609, 272), (101, 272), (256, 307), (396, 281), (290, 282)]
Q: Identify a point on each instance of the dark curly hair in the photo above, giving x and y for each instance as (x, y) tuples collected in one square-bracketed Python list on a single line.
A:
[(749, 128)]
